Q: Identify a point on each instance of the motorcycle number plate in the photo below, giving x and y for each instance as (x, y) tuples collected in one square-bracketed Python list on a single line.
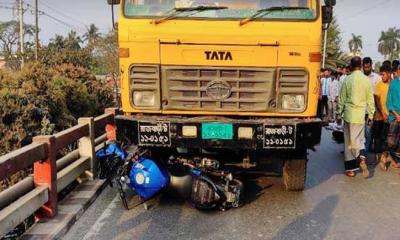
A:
[(154, 134)]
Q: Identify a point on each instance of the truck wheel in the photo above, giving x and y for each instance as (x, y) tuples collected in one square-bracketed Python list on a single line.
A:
[(294, 174)]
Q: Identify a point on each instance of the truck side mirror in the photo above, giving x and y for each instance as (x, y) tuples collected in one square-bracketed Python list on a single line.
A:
[(113, 2), (330, 3), (327, 14)]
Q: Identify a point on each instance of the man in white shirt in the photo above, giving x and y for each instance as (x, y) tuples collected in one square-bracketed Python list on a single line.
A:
[(367, 68), (345, 73), (325, 84), (333, 94)]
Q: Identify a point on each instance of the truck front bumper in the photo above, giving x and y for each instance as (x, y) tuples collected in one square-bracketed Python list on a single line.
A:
[(215, 132)]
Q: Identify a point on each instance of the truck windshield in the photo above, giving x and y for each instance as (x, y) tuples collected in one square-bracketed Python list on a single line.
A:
[(233, 9)]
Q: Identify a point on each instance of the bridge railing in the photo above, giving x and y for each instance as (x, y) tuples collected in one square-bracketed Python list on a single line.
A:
[(37, 194)]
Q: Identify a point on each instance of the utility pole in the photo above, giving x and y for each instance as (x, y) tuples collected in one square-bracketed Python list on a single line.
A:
[(21, 30), (325, 45), (36, 30)]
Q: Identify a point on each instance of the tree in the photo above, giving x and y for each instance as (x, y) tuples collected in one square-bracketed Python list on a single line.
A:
[(42, 99), (9, 42), (389, 43), (66, 50), (106, 55), (92, 35), (334, 55), (355, 44), (8, 36), (57, 42), (73, 41)]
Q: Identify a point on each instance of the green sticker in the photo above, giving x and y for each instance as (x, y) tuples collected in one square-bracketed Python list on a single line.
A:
[(222, 131)]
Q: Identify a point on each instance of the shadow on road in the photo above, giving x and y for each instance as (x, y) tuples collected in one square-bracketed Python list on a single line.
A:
[(313, 226), (254, 188), (326, 162)]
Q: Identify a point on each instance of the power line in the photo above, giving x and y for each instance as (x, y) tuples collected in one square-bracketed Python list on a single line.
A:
[(59, 21), (367, 9), (56, 19), (7, 3), (73, 18), (6, 7)]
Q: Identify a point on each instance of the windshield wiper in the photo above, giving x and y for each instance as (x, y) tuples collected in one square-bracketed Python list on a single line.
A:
[(176, 11), (264, 11)]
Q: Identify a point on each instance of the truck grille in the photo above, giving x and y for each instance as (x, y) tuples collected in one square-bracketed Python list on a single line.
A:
[(218, 89), (293, 81), (145, 78)]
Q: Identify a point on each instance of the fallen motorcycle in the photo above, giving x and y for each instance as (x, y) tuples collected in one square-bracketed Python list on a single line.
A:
[(198, 180)]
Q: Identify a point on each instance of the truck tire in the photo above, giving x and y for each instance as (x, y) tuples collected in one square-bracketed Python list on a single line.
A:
[(294, 174)]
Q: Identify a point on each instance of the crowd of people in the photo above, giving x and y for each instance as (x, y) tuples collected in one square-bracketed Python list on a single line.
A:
[(366, 105)]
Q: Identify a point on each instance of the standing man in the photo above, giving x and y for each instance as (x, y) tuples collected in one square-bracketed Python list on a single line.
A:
[(345, 73), (374, 78), (355, 96), (381, 118), (393, 105), (333, 94), (325, 83), (319, 108)]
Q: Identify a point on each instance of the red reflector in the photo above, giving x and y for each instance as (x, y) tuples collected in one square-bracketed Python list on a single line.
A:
[(124, 53), (111, 132), (315, 57)]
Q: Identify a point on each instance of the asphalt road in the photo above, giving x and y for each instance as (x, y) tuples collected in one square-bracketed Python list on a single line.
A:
[(332, 207)]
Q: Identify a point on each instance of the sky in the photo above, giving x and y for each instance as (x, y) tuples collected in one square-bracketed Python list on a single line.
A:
[(361, 17)]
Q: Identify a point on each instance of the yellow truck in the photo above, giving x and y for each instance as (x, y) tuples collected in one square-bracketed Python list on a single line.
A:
[(223, 76)]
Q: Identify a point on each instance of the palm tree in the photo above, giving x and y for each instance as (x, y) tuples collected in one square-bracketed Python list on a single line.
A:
[(57, 42), (355, 44), (73, 41), (92, 34), (389, 43)]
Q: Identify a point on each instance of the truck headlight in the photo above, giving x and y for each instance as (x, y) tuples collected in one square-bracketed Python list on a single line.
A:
[(293, 102), (144, 87), (144, 99)]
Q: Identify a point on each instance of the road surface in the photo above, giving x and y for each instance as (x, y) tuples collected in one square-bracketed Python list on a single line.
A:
[(333, 206)]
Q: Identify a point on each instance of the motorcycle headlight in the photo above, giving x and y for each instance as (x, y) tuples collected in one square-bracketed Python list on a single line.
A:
[(293, 102), (144, 99)]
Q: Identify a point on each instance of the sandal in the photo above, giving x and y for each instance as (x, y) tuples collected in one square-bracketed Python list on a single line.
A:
[(364, 168), (383, 162), (350, 173), (395, 165)]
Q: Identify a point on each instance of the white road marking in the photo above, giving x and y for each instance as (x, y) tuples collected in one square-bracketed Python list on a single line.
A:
[(102, 220)]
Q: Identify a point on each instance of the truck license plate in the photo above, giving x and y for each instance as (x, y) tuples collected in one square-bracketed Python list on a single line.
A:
[(223, 131), (280, 136), (154, 134)]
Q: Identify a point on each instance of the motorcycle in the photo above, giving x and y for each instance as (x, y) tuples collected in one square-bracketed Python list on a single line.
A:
[(198, 180)]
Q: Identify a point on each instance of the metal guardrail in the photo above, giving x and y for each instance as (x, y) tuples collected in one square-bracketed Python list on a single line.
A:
[(38, 193)]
